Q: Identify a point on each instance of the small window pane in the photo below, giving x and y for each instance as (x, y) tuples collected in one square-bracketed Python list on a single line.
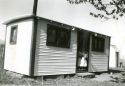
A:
[(98, 44), (63, 39), (51, 36), (13, 37)]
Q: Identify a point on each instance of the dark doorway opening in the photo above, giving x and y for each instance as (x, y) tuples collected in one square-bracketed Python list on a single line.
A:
[(83, 39)]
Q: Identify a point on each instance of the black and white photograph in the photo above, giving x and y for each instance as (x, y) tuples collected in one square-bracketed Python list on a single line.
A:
[(62, 42)]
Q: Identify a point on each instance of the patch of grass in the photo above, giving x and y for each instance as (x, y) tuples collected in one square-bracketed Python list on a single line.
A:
[(10, 78)]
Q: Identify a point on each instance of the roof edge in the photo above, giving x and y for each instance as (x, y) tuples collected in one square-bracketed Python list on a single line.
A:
[(64, 24), (18, 19)]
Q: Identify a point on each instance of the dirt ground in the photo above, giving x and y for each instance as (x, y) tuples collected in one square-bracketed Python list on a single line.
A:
[(103, 79)]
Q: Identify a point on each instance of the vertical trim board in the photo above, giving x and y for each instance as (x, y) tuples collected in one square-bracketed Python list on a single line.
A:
[(33, 46)]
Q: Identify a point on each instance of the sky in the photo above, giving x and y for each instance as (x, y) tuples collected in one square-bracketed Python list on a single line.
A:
[(10, 9), (62, 11), (75, 15)]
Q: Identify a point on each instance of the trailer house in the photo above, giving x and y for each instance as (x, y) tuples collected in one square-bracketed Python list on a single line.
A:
[(37, 46)]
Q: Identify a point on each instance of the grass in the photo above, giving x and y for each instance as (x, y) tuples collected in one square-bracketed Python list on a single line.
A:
[(12, 79)]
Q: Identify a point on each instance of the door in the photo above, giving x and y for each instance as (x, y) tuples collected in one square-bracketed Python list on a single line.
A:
[(82, 51), (98, 53)]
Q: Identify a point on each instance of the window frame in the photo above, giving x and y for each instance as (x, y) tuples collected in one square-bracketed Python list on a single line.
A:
[(13, 41), (58, 31), (98, 44)]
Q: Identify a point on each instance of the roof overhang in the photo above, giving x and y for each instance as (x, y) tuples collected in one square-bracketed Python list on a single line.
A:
[(26, 17), (17, 19)]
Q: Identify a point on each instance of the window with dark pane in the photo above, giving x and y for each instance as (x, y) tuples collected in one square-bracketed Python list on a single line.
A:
[(13, 36), (58, 36), (51, 36), (98, 44)]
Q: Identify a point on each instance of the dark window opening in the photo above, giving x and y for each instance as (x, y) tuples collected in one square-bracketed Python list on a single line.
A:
[(13, 36), (58, 36), (98, 44)]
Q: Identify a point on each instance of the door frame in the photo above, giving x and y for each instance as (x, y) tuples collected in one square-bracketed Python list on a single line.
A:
[(77, 56)]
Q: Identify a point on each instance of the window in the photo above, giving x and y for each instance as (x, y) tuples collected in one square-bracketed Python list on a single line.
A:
[(57, 36), (98, 44), (13, 36)]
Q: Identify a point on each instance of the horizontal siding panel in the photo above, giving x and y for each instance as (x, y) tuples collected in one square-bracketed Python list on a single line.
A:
[(49, 72), (56, 55), (50, 56), (55, 62), (95, 59), (99, 62), (56, 68), (42, 59), (96, 68), (100, 68), (53, 73), (102, 65), (99, 65), (99, 56), (51, 60), (56, 65)]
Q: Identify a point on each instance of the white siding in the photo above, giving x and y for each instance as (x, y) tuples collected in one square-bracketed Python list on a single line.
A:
[(17, 57), (112, 60), (54, 60), (99, 61)]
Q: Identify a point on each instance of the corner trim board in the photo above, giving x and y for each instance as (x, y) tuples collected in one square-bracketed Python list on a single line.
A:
[(109, 52), (33, 46)]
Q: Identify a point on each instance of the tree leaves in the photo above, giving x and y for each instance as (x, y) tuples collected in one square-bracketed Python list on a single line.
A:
[(117, 7)]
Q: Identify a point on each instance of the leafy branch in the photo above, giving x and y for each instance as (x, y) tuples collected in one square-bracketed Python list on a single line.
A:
[(112, 8)]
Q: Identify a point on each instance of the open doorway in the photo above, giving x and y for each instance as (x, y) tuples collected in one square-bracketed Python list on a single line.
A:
[(83, 50)]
